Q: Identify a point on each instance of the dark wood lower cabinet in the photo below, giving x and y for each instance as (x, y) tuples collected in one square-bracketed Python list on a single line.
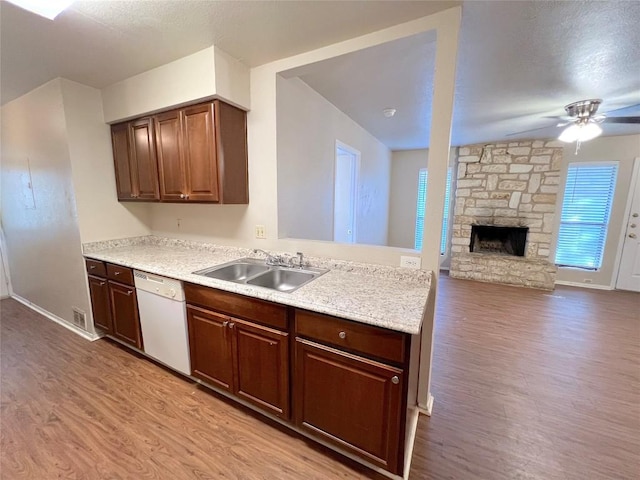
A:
[(124, 311), (99, 291), (244, 358), (210, 347), (261, 370), (350, 401)]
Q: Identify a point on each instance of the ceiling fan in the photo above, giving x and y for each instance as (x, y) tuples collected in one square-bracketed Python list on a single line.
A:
[(582, 121)]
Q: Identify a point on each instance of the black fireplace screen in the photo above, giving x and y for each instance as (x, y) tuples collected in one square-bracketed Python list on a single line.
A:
[(500, 240)]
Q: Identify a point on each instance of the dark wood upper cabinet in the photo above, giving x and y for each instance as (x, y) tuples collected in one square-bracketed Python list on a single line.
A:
[(122, 161), (134, 157), (350, 401), (143, 159), (192, 154), (99, 292), (171, 165), (231, 142), (200, 153)]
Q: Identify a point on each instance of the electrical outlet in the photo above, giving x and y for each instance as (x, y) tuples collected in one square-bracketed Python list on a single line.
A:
[(410, 262), (261, 232)]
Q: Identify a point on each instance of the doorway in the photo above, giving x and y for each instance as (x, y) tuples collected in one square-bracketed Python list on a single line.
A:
[(629, 270), (345, 193)]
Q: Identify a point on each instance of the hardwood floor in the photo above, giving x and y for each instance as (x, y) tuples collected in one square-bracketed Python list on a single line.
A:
[(528, 385)]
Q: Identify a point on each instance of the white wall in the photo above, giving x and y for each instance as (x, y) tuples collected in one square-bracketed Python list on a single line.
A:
[(623, 149), (43, 243), (405, 166), (100, 215), (205, 74), (308, 127), (234, 224)]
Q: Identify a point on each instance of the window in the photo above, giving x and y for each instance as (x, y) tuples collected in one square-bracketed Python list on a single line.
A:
[(422, 196), (584, 220)]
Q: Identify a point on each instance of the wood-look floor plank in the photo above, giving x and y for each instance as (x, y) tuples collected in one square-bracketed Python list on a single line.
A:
[(528, 385)]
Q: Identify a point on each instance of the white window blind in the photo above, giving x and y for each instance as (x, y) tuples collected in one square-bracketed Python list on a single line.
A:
[(422, 196), (586, 208)]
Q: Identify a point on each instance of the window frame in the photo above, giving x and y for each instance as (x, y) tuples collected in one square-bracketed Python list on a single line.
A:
[(421, 198)]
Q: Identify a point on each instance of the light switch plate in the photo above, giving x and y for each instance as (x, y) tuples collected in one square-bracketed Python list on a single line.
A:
[(410, 262)]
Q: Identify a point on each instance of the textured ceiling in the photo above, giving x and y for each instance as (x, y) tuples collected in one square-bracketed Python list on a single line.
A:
[(521, 61), (99, 42), (517, 63)]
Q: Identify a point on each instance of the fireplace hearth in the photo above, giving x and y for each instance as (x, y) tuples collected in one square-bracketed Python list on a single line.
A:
[(499, 240)]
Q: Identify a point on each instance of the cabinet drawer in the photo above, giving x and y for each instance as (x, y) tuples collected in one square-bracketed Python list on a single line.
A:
[(365, 339), (96, 267), (120, 274), (254, 309)]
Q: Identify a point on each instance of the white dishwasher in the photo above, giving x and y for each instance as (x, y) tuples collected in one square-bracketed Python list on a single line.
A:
[(163, 320)]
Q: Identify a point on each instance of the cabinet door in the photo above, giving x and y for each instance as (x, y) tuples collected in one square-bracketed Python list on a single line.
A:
[(350, 401), (100, 304), (144, 162), (124, 310), (261, 357), (200, 153), (210, 347), (171, 166), (122, 161)]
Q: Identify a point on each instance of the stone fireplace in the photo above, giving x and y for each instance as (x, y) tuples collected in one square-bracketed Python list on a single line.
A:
[(504, 213)]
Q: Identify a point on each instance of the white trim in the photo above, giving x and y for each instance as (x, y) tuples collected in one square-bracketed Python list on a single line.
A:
[(414, 415), (594, 286), (428, 408), (60, 321), (623, 230)]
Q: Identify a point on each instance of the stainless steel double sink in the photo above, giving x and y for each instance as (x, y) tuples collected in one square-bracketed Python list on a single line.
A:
[(256, 272)]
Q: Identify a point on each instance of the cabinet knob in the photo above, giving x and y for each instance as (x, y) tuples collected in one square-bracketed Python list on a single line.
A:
[(342, 335), (395, 380), (633, 225), (632, 235), (187, 196), (225, 323), (635, 215), (182, 195), (92, 267), (116, 273), (102, 284), (129, 293), (231, 325)]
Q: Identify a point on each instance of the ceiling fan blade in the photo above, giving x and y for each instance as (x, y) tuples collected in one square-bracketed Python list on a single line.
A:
[(630, 109), (533, 130), (622, 120)]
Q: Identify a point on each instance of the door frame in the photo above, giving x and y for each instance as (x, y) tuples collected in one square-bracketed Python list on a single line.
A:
[(623, 230), (354, 187)]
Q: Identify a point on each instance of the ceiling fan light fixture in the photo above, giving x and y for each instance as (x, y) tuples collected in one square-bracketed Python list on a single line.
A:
[(580, 132), (48, 8)]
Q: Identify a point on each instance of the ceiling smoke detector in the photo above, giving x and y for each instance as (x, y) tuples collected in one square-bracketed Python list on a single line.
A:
[(389, 112)]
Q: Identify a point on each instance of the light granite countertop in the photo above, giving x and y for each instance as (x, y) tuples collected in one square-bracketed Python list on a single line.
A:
[(388, 297)]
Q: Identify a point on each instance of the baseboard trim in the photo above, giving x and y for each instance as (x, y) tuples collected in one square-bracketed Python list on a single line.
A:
[(584, 285), (428, 408), (60, 321)]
